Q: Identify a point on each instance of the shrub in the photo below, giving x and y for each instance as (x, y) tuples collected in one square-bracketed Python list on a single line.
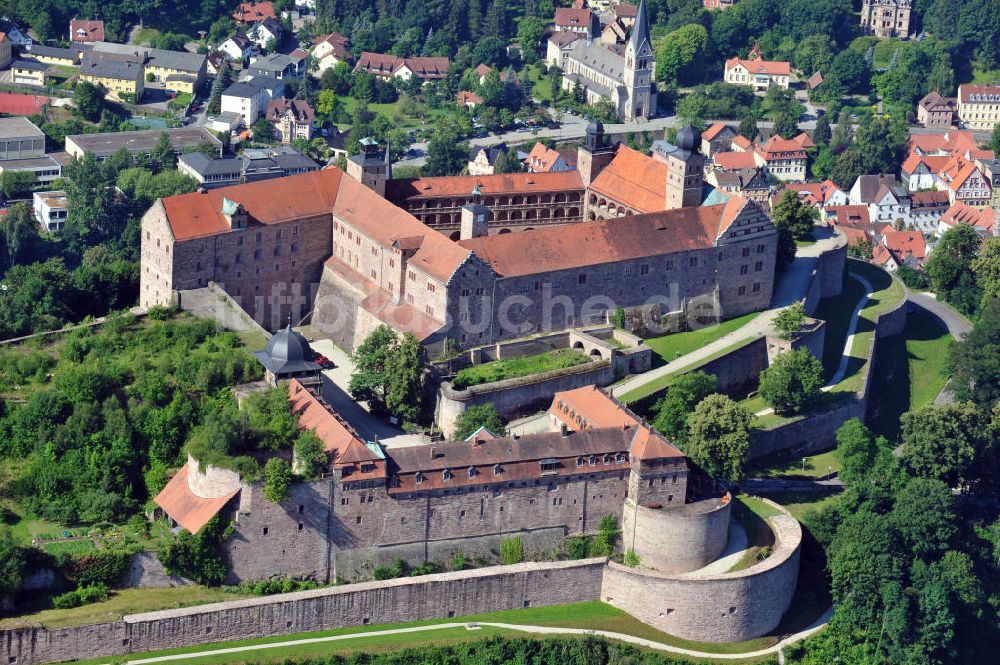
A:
[(577, 547), (607, 536), (631, 559), (511, 550), (426, 568), (277, 480), (459, 561), (81, 596), (101, 568)]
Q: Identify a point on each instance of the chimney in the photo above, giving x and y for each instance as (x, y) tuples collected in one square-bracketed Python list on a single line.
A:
[(563, 430), (434, 452)]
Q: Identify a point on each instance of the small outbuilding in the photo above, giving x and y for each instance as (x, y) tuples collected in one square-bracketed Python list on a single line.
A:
[(287, 356)]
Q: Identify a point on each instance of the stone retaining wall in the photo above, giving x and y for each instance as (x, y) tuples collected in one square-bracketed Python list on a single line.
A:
[(392, 601)]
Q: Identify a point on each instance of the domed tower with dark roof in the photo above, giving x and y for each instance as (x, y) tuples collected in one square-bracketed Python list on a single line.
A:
[(288, 356), (593, 155), (685, 168)]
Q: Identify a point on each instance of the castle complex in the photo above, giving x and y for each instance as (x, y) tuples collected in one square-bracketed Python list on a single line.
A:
[(886, 18), (359, 249), (425, 503)]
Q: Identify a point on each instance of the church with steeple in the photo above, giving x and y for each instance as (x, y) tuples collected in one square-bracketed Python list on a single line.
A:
[(622, 76)]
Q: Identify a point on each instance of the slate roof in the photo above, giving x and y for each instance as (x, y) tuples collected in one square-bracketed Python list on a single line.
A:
[(112, 65), (157, 57)]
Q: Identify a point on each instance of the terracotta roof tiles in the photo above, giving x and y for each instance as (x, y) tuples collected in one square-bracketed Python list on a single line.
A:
[(507, 183), (771, 68), (185, 507), (633, 179), (732, 161)]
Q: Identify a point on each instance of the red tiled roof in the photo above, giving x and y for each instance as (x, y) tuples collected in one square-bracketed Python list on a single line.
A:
[(185, 507), (507, 183), (771, 68), (932, 198), (568, 17), (591, 408), (804, 140), (345, 448), (626, 10), (633, 179), (385, 65), (733, 161), (252, 12), (934, 163), (466, 97), (604, 241), (86, 31), (742, 142), (961, 213), (851, 215), (483, 69), (15, 104), (814, 193), (716, 129), (780, 148), (541, 158), (951, 141), (905, 243), (854, 235), (967, 90), (957, 172)]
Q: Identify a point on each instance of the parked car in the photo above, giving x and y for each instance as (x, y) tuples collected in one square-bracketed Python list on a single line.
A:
[(324, 362)]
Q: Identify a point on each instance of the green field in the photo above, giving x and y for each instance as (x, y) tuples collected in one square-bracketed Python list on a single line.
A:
[(591, 615), (673, 346), (663, 382), (917, 359), (801, 504), (500, 370), (814, 466)]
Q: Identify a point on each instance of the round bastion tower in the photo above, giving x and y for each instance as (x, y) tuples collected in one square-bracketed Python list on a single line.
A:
[(670, 534)]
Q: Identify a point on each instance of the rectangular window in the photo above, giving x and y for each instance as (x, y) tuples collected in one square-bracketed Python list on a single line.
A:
[(582, 279), (744, 269)]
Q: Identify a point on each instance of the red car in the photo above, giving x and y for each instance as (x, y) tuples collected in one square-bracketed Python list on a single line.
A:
[(324, 362)]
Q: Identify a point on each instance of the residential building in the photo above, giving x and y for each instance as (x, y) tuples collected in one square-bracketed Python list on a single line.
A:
[(51, 55), (853, 221), (214, 61), (482, 70), (389, 66), (990, 168), (19, 38), (468, 99), (210, 172), (179, 71), (734, 161), (785, 159), (623, 80), (279, 66), (935, 111), (717, 4), (50, 210), (965, 183), (757, 73), (543, 159), (717, 138), (984, 221), (102, 146), (819, 195), (292, 118), (749, 183), (921, 172), (86, 31), (29, 72), (329, 50), (979, 106), (626, 13), (239, 47), (117, 74), (226, 122), (886, 18), (252, 12), (926, 210), (483, 159), (614, 33), (895, 249), (953, 142), (266, 33), (248, 99), (6, 51), (579, 20), (887, 202), (277, 162), (557, 47), (22, 148)]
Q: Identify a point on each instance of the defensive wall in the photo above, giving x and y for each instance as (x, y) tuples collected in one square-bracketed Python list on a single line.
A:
[(677, 539), (727, 607), (827, 277)]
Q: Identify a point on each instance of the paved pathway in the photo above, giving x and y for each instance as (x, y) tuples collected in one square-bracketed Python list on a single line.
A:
[(845, 358), (536, 630), (736, 544), (764, 485), (793, 283)]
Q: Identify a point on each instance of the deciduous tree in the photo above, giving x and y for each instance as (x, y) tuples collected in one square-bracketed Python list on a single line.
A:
[(792, 383), (718, 437)]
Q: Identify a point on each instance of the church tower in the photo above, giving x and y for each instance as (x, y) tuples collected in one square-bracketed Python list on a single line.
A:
[(638, 74)]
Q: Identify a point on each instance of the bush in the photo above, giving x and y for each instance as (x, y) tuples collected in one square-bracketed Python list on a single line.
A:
[(197, 556), (81, 596), (511, 550), (459, 561), (277, 480), (631, 559), (101, 568), (792, 383), (577, 547), (606, 538)]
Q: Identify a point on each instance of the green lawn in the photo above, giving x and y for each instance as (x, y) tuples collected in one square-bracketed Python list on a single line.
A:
[(917, 359), (752, 515), (814, 466), (145, 36), (673, 346), (887, 293), (801, 504), (593, 615), (517, 367), (836, 312), (125, 601), (662, 383), (394, 112)]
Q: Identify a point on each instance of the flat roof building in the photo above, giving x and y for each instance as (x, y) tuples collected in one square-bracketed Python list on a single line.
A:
[(140, 142)]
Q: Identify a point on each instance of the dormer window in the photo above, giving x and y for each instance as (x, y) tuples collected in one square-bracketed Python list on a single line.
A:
[(367, 467), (607, 459), (497, 470), (419, 478), (446, 475), (579, 461), (592, 460), (620, 458), (472, 472)]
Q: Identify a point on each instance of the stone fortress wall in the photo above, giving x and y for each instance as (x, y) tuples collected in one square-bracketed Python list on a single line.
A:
[(726, 607), (677, 539)]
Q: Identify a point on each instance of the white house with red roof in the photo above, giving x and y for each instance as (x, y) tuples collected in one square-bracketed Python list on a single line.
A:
[(785, 159), (717, 138), (757, 73), (899, 248), (984, 221), (329, 50), (819, 194), (965, 183), (543, 159), (84, 32), (579, 20)]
